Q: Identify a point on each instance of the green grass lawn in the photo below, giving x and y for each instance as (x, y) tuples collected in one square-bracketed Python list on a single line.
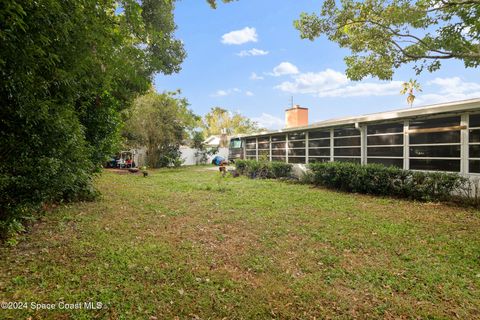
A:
[(188, 244)]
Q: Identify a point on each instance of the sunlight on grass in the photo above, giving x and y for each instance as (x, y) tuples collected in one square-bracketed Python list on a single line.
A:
[(187, 243)]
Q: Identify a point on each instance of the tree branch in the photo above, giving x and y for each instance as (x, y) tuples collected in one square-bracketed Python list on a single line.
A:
[(445, 54)]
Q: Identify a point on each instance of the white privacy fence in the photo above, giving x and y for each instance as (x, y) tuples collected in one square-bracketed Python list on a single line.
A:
[(189, 156)]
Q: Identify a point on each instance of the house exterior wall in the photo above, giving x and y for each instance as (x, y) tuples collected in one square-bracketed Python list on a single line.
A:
[(447, 141)]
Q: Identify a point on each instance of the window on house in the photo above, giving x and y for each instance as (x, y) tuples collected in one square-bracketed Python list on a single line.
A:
[(264, 147), (296, 136), (279, 147), (279, 138), (251, 148), (474, 143), (347, 145), (296, 147), (296, 144), (385, 144), (319, 146), (434, 144)]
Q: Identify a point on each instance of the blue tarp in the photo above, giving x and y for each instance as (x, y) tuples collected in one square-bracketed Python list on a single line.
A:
[(217, 160)]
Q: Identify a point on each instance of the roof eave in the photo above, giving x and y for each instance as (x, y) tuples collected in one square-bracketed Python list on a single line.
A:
[(449, 107)]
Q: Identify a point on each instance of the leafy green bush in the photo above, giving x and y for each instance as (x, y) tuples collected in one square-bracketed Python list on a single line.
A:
[(70, 69), (381, 180), (241, 166), (280, 169), (263, 169)]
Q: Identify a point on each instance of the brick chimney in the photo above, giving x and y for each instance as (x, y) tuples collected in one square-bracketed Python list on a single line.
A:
[(296, 117)]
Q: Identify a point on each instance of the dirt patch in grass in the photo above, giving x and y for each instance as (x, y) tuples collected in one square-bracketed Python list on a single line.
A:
[(122, 171)]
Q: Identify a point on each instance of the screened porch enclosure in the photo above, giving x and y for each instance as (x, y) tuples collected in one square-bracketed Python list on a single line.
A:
[(447, 142)]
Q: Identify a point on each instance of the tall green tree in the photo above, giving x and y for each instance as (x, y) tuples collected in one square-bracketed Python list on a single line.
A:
[(161, 123), (68, 68), (384, 34), (220, 120)]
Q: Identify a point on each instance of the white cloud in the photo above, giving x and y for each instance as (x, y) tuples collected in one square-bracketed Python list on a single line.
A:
[(455, 85), (269, 121), (254, 76), (220, 93), (365, 89), (331, 83), (249, 93), (252, 52), (242, 36), (284, 68), (227, 92), (448, 89)]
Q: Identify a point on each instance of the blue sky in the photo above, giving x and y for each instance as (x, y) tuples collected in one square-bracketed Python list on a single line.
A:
[(247, 57)]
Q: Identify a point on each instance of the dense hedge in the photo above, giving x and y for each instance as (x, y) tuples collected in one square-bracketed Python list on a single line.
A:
[(263, 169), (69, 69), (380, 180)]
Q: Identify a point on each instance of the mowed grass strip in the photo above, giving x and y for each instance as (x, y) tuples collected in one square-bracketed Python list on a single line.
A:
[(186, 243)]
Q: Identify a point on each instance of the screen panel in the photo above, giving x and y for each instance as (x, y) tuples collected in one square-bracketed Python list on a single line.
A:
[(353, 141), (296, 136), (318, 159), (435, 164), (395, 139), (279, 145), (296, 152), (347, 152), (474, 166), (319, 143), (264, 145), (319, 134), (435, 137), (434, 123), (281, 137), (279, 152), (387, 162), (385, 128), (296, 160), (354, 160), (436, 151), (385, 151), (319, 152), (474, 121), (296, 144), (346, 132)]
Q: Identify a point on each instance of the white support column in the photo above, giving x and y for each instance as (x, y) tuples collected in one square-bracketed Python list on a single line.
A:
[(270, 148), (331, 145), (256, 148), (244, 143), (286, 147), (363, 144), (406, 146), (464, 152), (306, 147)]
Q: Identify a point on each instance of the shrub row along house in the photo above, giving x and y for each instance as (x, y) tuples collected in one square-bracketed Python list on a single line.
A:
[(442, 137)]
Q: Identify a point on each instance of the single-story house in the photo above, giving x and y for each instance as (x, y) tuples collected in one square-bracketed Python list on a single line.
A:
[(440, 137)]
